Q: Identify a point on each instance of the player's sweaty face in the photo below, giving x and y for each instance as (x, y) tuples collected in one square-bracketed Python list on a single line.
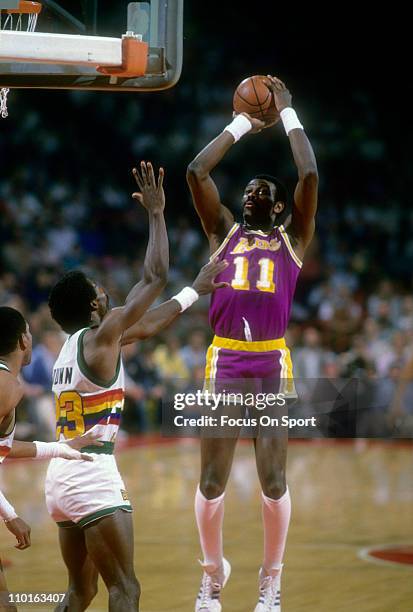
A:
[(258, 200)]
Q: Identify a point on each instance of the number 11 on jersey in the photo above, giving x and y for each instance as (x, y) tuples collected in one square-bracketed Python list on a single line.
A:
[(265, 282)]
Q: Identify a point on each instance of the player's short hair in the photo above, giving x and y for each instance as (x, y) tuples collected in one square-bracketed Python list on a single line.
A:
[(69, 301), (12, 327), (280, 193)]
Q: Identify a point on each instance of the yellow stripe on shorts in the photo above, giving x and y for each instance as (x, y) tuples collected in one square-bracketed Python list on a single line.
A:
[(260, 346)]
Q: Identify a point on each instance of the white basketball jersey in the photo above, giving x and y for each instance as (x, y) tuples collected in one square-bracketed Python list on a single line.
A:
[(82, 400), (6, 439)]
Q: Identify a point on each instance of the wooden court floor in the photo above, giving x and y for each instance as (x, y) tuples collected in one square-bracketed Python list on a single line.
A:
[(345, 498)]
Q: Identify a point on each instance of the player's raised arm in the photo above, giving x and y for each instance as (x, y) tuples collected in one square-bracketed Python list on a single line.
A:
[(215, 217), (159, 318), (305, 195), (156, 264)]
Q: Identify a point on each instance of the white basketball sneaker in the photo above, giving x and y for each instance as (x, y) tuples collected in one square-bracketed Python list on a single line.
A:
[(212, 583), (270, 593)]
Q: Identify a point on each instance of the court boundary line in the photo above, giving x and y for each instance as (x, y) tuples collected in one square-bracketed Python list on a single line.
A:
[(363, 554)]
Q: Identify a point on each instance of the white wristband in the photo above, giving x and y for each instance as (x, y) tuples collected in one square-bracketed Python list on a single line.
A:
[(186, 297), (47, 450), (290, 120), (7, 512), (238, 127)]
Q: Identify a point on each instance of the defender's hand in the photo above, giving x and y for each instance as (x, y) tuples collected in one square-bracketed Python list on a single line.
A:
[(151, 194), (67, 452), (21, 530), (282, 96), (204, 282), (91, 438)]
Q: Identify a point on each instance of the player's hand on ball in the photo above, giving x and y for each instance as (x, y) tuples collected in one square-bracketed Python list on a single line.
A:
[(257, 124), (282, 96), (151, 194), (21, 530), (204, 282)]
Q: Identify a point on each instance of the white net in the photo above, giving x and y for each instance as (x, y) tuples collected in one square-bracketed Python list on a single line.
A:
[(19, 22)]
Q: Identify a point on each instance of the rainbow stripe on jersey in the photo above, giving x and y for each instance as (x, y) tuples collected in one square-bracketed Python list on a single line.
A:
[(82, 401)]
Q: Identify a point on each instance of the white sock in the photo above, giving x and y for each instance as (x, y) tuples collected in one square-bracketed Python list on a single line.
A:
[(209, 517), (276, 518)]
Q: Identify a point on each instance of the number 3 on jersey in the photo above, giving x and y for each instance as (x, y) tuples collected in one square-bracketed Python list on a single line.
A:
[(69, 409), (265, 281)]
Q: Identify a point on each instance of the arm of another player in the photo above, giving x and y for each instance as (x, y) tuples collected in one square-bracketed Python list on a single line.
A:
[(156, 263), (305, 196), (69, 449), (216, 219), (159, 318), (11, 393), (16, 525)]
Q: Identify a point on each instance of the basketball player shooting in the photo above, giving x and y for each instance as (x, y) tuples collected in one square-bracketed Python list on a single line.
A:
[(249, 319)]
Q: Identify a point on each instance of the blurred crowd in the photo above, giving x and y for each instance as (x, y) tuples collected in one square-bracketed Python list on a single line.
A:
[(342, 325), (65, 203)]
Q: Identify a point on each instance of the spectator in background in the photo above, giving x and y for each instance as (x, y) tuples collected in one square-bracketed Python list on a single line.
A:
[(61, 239), (135, 419), (184, 234), (169, 362), (356, 362), (38, 381), (40, 370), (400, 414), (144, 389), (341, 316), (39, 284), (193, 353), (395, 353), (309, 358), (405, 321), (385, 293), (376, 422), (8, 287)]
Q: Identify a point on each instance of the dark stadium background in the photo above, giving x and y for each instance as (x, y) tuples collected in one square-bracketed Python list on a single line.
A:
[(66, 159)]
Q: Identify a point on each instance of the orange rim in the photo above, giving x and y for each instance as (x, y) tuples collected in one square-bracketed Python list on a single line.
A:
[(134, 60), (25, 8)]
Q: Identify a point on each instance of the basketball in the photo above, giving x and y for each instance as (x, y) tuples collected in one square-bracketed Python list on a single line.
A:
[(252, 96)]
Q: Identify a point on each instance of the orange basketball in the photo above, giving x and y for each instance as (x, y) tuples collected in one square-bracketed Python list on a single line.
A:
[(252, 96)]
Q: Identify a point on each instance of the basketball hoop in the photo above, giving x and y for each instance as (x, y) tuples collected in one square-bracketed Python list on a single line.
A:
[(19, 19)]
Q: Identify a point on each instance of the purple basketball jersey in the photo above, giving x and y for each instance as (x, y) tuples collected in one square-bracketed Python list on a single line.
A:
[(262, 274)]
